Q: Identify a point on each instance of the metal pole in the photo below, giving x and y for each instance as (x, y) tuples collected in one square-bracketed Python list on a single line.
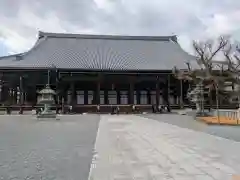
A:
[(217, 103)]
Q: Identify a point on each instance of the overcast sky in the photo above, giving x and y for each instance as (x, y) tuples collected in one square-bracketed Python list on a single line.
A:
[(20, 20)]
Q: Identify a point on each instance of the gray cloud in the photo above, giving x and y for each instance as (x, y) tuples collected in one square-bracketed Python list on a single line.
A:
[(22, 19)]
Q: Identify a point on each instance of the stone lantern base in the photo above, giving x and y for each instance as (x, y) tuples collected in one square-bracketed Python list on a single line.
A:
[(47, 113), (48, 116)]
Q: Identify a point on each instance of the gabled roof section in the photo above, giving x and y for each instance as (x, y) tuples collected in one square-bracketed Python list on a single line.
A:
[(10, 57), (103, 52), (7, 60)]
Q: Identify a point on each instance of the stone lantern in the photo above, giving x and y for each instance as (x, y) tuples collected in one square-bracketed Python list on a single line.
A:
[(46, 97), (197, 96)]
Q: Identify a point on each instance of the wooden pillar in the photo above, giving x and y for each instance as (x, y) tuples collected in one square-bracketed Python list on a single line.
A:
[(138, 94), (28, 94), (21, 90), (131, 93), (181, 94), (49, 77), (58, 97), (35, 94), (157, 91), (73, 94), (64, 97), (106, 97), (97, 100), (190, 85), (118, 97), (65, 93), (149, 97), (85, 97), (4, 94), (169, 89)]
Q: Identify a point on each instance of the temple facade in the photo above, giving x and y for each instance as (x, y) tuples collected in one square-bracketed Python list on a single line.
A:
[(90, 70)]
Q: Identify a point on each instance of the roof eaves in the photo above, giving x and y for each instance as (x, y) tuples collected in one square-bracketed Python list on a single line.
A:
[(20, 56), (191, 57), (37, 44)]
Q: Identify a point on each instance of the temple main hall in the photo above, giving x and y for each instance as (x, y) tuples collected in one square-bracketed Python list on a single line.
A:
[(91, 70)]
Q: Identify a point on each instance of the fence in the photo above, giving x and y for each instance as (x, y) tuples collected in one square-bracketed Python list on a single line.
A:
[(228, 115)]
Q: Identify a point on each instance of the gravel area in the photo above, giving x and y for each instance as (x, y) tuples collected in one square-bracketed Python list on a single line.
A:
[(46, 150)]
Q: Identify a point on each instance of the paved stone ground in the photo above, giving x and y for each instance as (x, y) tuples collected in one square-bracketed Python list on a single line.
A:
[(127, 147), (46, 150), (133, 147), (229, 132)]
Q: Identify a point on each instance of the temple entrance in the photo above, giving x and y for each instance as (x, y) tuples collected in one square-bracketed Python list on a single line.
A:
[(86, 91), (103, 96)]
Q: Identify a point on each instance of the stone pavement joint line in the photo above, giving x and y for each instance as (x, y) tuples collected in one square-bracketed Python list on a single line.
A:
[(132, 147)]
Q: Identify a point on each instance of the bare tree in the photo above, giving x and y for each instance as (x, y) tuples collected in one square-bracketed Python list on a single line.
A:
[(232, 60), (205, 76)]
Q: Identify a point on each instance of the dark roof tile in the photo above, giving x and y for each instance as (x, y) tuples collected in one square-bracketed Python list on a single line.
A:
[(103, 52)]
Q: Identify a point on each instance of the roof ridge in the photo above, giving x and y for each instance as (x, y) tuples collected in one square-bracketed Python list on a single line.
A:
[(114, 37)]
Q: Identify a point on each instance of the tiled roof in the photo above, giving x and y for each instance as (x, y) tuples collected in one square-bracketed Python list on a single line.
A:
[(9, 57), (102, 52)]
